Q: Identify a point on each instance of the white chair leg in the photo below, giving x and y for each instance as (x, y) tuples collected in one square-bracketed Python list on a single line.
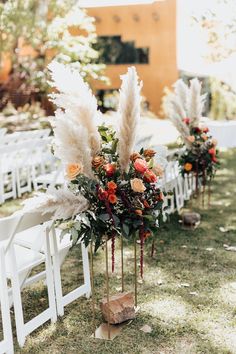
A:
[(6, 319), (86, 271), (57, 277), (16, 292), (1, 189), (49, 279)]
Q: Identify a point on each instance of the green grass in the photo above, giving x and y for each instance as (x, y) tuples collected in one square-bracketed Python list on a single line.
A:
[(198, 318)]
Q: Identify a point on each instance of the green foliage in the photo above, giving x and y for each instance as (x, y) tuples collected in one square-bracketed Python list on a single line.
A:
[(114, 206), (47, 27), (202, 157), (223, 101)]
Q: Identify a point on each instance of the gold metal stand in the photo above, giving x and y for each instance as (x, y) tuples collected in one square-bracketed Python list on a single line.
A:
[(92, 288), (107, 286), (135, 273), (122, 263)]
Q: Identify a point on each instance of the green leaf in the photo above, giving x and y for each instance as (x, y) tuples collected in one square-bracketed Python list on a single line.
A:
[(104, 217)]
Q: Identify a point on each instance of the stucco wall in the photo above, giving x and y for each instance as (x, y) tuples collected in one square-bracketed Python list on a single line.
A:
[(152, 26)]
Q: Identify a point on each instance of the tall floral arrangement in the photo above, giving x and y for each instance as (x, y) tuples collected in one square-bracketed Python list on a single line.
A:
[(185, 109), (112, 189)]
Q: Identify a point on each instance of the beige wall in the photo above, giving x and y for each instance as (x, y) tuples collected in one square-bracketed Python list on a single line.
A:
[(138, 23)]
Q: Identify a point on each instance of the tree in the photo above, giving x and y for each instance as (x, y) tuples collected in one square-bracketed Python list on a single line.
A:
[(219, 22), (48, 29)]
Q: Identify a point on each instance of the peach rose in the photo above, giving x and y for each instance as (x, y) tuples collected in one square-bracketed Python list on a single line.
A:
[(214, 141), (97, 162), (188, 166), (73, 170), (140, 165), (137, 185), (191, 138)]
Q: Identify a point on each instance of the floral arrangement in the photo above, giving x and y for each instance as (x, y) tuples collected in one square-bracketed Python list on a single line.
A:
[(112, 190), (185, 107)]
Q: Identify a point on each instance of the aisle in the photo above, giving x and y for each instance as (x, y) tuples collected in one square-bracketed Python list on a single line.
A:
[(188, 297)]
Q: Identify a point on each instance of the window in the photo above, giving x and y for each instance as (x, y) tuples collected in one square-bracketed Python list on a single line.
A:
[(114, 51)]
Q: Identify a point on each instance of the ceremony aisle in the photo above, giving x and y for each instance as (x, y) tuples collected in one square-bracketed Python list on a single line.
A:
[(188, 296)]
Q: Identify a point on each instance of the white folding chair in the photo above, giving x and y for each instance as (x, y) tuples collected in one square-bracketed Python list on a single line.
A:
[(6, 345), (7, 173), (59, 250), (19, 263), (85, 289)]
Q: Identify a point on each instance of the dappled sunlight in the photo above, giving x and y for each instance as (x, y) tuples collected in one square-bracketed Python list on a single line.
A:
[(227, 294), (167, 309), (219, 333)]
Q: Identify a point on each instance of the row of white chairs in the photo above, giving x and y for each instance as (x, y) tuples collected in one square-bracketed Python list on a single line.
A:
[(22, 163), (18, 137), (26, 241)]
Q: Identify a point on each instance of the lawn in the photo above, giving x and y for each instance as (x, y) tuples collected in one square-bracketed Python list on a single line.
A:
[(188, 296)]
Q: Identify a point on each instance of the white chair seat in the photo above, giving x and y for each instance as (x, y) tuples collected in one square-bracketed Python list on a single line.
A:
[(24, 257)]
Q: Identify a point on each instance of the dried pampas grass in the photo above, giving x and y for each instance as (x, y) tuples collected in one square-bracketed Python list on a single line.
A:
[(195, 102), (61, 203), (76, 99), (129, 111), (71, 143)]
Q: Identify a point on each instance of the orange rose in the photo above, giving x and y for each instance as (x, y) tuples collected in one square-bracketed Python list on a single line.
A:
[(138, 212), (73, 170), (97, 162), (112, 198), (150, 176), (140, 165), (188, 166), (137, 185), (148, 154), (112, 185), (135, 156), (110, 169), (191, 138)]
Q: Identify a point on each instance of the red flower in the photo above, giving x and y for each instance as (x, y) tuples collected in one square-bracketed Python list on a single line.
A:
[(214, 159), (186, 121), (146, 234), (145, 203), (140, 165), (150, 177), (212, 151), (112, 198), (197, 130), (110, 169), (102, 194), (205, 130), (112, 185)]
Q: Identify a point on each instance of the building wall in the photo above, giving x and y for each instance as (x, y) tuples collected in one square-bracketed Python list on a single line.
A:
[(152, 26)]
